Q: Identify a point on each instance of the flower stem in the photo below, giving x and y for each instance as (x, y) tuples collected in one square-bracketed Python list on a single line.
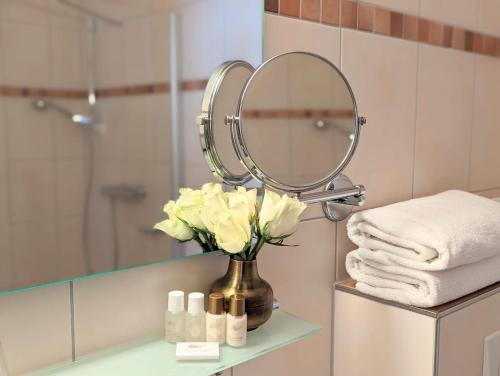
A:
[(207, 241), (201, 243)]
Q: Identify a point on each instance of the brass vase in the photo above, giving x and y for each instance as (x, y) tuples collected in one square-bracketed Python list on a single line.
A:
[(242, 277)]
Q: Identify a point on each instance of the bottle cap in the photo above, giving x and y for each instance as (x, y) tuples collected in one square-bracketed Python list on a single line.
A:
[(176, 301), (216, 303), (237, 305), (196, 303)]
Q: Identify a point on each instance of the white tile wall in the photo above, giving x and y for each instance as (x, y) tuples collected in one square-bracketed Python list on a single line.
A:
[(485, 153), (444, 119), (453, 12), (382, 72), (35, 328)]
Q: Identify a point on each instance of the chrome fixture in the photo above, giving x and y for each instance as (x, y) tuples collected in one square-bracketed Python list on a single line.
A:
[(276, 103), (43, 104)]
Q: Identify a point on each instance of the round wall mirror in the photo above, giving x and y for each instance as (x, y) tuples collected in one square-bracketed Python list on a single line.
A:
[(296, 126), (221, 98)]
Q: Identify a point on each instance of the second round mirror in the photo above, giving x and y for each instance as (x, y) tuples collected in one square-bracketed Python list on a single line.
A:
[(298, 123)]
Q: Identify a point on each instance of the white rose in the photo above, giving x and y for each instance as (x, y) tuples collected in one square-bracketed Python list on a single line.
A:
[(232, 232), (214, 203), (279, 216), (243, 201), (173, 226), (208, 188), (190, 204)]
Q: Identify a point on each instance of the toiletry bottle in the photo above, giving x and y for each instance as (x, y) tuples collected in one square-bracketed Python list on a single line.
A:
[(216, 318), (195, 318), (175, 317), (236, 321)]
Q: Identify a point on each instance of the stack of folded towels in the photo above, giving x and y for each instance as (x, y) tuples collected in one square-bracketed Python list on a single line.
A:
[(426, 251)]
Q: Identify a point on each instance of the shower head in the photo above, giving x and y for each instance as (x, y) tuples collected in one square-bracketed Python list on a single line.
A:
[(42, 104)]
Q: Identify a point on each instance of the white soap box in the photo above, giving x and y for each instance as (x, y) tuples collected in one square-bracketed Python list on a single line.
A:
[(197, 351)]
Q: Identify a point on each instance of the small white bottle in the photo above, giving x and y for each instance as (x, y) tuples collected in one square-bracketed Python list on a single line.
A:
[(195, 318), (216, 318), (236, 322), (175, 317)]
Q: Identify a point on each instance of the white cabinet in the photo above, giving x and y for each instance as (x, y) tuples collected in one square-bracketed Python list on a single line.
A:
[(380, 338)]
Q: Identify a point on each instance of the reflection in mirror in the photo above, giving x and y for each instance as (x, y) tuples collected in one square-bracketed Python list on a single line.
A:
[(298, 119), (97, 109)]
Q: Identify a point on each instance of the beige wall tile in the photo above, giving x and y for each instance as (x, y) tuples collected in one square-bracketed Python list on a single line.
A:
[(385, 95), (35, 328), (485, 153), (160, 24), (35, 252), (463, 333), (32, 189), (406, 6), (6, 260), (286, 34), (27, 62), (454, 12), (444, 113), (29, 131), (110, 47), (491, 193), (71, 257), (25, 11), (119, 307), (67, 63), (378, 339), (487, 18), (71, 181), (302, 278), (138, 51), (4, 182)]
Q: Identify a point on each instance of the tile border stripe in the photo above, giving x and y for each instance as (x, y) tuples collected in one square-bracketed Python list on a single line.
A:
[(367, 17), (117, 91)]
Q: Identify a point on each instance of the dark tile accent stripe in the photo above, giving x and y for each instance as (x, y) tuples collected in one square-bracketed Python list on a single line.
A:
[(360, 15), (330, 12), (306, 113), (311, 10), (16, 91), (119, 91), (271, 6)]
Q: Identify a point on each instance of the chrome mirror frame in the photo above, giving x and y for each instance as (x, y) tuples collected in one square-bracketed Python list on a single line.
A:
[(205, 123), (237, 123), (338, 196)]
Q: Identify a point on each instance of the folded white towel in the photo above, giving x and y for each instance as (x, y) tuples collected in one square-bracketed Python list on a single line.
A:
[(437, 232), (376, 275)]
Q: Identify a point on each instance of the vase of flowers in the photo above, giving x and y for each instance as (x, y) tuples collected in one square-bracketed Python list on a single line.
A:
[(238, 224)]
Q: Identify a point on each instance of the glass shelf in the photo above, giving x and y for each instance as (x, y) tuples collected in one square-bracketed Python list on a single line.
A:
[(157, 357)]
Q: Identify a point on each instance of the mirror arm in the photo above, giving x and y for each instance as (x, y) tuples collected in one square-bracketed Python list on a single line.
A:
[(338, 198), (346, 196)]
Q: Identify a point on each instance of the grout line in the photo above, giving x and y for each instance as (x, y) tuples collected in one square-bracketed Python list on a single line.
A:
[(415, 117), (471, 125), (72, 310), (332, 316)]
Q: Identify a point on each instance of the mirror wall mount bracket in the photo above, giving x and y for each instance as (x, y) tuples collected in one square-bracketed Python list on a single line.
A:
[(338, 198)]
